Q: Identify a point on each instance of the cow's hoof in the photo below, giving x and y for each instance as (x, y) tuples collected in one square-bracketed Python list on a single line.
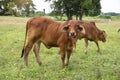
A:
[(98, 50), (63, 66), (66, 64)]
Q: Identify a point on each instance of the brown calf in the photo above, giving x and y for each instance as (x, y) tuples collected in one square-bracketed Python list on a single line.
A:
[(92, 33), (52, 34)]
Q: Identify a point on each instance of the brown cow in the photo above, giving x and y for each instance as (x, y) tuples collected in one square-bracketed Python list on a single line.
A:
[(52, 34), (92, 33)]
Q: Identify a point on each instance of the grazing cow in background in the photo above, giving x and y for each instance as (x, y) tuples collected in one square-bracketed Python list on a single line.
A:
[(92, 33), (52, 34)]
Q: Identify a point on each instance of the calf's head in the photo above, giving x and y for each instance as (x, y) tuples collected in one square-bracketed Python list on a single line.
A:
[(102, 36), (73, 28)]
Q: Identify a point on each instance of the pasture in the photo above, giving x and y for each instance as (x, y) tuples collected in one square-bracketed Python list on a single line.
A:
[(93, 66)]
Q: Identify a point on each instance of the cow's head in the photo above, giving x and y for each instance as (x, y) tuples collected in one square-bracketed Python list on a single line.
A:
[(102, 36), (72, 28)]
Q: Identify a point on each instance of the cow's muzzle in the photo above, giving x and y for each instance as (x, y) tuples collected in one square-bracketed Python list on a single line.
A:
[(72, 34), (104, 40)]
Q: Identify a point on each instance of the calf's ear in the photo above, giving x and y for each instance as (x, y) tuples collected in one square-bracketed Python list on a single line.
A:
[(65, 29), (79, 28), (104, 33)]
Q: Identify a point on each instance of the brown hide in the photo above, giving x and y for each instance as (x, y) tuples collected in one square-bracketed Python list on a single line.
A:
[(52, 34), (92, 33)]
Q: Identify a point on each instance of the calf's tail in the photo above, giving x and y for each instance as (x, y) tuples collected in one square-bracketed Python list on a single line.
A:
[(23, 50)]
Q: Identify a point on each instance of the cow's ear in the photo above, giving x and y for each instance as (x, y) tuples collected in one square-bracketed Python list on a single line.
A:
[(101, 32), (104, 33), (65, 29), (79, 28)]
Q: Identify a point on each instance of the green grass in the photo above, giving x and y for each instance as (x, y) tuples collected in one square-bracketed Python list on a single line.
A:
[(94, 66)]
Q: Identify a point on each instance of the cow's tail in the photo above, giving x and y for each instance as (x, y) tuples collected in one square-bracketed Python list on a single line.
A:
[(23, 50)]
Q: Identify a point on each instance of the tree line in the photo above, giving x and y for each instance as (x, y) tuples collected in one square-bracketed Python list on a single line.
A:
[(76, 7), (16, 7), (69, 8)]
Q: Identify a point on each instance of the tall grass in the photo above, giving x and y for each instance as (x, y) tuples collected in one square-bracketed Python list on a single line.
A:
[(93, 66)]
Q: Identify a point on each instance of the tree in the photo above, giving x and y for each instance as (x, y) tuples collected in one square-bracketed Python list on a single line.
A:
[(25, 6), (76, 7), (17, 6), (94, 8), (2, 11), (60, 7), (3, 6)]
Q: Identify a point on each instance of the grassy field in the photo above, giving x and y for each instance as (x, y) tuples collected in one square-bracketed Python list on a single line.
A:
[(94, 66)]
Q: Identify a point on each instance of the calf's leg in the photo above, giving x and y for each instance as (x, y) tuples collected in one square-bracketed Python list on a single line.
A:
[(36, 52), (86, 45), (26, 52), (68, 57), (98, 48), (62, 53)]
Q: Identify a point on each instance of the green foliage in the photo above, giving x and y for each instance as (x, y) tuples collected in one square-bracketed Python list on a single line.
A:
[(76, 7), (15, 7), (10, 6), (39, 13), (95, 8), (93, 66), (105, 16), (112, 14)]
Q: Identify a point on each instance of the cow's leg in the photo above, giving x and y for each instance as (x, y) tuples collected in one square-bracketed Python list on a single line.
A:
[(36, 52), (98, 49), (86, 46), (62, 53), (26, 51), (68, 56)]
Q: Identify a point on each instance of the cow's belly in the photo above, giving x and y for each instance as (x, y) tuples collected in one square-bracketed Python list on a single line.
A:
[(49, 43), (90, 39), (49, 40)]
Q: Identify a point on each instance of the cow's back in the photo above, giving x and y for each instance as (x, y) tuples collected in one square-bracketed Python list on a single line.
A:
[(91, 31), (47, 30)]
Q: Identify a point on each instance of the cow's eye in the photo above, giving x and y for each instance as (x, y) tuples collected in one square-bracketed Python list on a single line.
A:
[(79, 28), (65, 29)]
